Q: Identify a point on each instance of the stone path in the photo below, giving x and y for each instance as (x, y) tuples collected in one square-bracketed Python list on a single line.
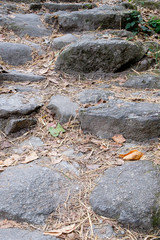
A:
[(74, 63)]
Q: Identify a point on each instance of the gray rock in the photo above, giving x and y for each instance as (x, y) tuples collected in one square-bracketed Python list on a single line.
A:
[(63, 41), (122, 33), (105, 17), (62, 108), (54, 7), (15, 125), (20, 88), (136, 121), (143, 81), (130, 194), (34, 142), (103, 232), (87, 56), (144, 64), (67, 167), (15, 53), (26, 24), (18, 104), (19, 234), (10, 7), (30, 193), (94, 95), (16, 76)]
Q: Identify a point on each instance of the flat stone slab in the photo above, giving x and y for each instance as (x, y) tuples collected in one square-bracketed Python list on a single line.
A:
[(15, 53), (88, 56), (25, 24), (30, 193), (105, 17), (136, 121), (130, 194), (143, 81), (54, 7), (94, 95), (16, 76), (19, 234), (63, 108), (18, 104)]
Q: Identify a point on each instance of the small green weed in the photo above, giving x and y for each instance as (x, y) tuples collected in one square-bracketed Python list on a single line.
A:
[(155, 24), (136, 24)]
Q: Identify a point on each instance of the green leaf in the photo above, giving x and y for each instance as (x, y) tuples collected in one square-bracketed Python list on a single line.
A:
[(128, 25), (56, 131)]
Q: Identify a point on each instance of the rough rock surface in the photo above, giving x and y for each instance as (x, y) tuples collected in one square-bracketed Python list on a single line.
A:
[(18, 104), (26, 24), (63, 41), (54, 7), (136, 121), (94, 95), (63, 108), (20, 77), (130, 194), (105, 17), (30, 193), (99, 55), (143, 81), (15, 53), (19, 234), (15, 125)]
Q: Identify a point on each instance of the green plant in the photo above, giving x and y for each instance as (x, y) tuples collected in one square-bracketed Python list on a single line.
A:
[(132, 21), (155, 24), (136, 24)]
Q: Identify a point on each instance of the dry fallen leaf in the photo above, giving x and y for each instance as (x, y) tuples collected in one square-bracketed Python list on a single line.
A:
[(132, 155), (60, 231), (32, 156), (118, 138), (11, 160)]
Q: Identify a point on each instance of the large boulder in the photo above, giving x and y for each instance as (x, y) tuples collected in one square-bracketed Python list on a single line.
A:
[(130, 194), (105, 17), (88, 56), (31, 192), (15, 53), (25, 24), (136, 121)]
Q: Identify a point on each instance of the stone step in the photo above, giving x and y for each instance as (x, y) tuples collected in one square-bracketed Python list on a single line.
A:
[(130, 194), (14, 107), (88, 56), (136, 121), (104, 17), (25, 24), (15, 53), (54, 7), (31, 193)]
